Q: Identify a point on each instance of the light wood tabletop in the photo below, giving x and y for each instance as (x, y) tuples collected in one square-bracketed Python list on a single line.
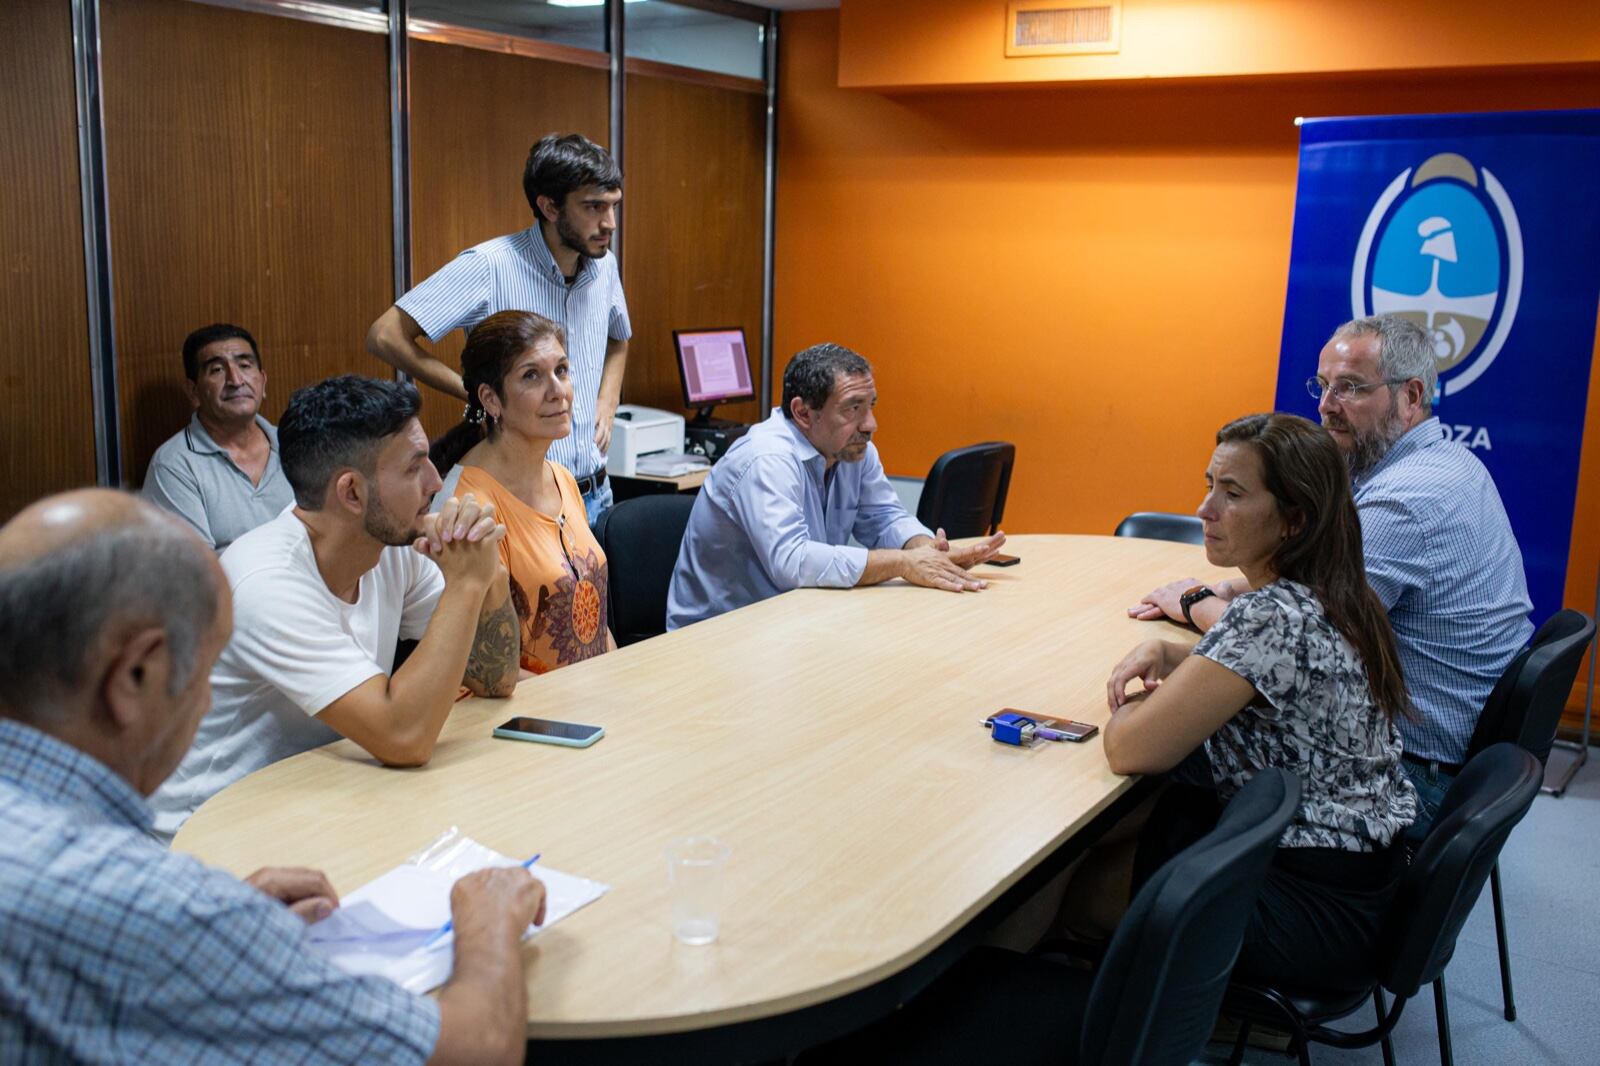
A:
[(682, 482), (831, 737)]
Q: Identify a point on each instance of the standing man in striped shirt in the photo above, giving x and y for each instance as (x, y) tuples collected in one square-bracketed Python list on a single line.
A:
[(561, 268)]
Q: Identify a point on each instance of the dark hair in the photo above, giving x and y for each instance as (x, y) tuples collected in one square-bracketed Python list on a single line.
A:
[(55, 607), (492, 347), (810, 375), (337, 423), (220, 331), (1308, 477), (558, 165)]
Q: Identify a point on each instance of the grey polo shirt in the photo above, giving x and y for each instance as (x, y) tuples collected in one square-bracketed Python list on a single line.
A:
[(193, 476)]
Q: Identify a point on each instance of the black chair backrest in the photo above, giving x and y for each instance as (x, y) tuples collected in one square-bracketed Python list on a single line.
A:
[(641, 538), (1525, 705), (1485, 802), (1161, 983), (1163, 525), (965, 494)]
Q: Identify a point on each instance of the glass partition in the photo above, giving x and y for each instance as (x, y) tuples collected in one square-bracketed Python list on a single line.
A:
[(576, 23), (686, 36)]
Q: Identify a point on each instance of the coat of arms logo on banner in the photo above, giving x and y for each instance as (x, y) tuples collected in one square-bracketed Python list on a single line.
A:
[(1442, 247)]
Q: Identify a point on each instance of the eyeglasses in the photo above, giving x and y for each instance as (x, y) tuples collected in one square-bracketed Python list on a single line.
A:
[(1345, 391)]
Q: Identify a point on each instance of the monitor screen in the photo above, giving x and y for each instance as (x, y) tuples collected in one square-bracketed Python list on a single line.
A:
[(714, 365)]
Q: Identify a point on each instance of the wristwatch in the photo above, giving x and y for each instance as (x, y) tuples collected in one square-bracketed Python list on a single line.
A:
[(1192, 597)]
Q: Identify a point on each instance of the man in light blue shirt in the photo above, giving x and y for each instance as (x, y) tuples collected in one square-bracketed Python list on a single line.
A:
[(779, 509), (1436, 541), (562, 268), (115, 950)]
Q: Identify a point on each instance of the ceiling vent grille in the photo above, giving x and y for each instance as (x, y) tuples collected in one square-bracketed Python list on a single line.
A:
[(1061, 27)]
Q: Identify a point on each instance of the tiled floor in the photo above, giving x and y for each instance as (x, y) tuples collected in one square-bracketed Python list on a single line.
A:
[(1550, 871)]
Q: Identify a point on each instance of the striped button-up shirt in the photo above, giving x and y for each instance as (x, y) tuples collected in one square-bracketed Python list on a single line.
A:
[(114, 950), (1441, 556), (772, 517), (517, 273)]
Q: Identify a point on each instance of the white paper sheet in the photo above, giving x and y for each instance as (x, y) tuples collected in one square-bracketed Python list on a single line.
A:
[(385, 926)]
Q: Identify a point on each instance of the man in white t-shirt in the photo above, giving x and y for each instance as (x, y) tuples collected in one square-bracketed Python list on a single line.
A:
[(323, 592)]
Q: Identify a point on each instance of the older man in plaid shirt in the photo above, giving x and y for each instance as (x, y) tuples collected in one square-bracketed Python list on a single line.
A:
[(113, 949)]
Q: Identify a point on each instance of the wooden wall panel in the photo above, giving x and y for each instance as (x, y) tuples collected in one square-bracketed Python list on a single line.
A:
[(474, 115), (692, 225), (248, 166), (46, 403)]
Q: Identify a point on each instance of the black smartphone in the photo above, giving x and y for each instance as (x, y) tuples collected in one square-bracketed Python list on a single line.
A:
[(1075, 731), (544, 731), (1003, 560), (1063, 728)]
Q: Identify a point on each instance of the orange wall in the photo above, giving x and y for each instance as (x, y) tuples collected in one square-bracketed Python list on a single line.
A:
[(1096, 273), (906, 43)]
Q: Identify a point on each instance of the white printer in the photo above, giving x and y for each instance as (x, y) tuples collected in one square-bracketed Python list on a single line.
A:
[(639, 431)]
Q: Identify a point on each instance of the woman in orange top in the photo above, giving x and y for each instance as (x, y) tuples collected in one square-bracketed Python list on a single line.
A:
[(516, 373)]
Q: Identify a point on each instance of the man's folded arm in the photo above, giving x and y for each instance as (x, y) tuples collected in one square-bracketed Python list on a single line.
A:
[(493, 664), (398, 718)]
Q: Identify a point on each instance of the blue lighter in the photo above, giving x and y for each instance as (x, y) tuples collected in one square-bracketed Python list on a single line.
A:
[(1011, 728)]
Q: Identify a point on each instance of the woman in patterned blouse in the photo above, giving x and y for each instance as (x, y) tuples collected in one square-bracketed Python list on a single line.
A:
[(520, 384), (1302, 673)]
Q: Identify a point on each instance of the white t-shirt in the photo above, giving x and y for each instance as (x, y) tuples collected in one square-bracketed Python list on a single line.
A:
[(296, 648)]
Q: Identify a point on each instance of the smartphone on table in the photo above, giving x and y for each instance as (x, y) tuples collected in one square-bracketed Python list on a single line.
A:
[(1063, 728), (1002, 560), (1069, 730), (545, 731)]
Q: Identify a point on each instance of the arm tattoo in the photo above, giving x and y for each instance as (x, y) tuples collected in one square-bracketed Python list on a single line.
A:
[(496, 651)]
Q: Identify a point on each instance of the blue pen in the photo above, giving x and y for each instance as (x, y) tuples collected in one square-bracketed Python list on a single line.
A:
[(451, 924)]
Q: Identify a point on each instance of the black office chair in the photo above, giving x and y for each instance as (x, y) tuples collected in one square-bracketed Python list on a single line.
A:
[(1524, 708), (1437, 892), (965, 494), (1162, 525), (641, 538), (1155, 998)]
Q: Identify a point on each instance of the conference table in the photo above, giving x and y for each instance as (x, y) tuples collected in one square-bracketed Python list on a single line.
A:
[(833, 738)]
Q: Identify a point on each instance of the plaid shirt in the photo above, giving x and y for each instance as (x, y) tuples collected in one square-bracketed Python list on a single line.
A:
[(1441, 556), (115, 950)]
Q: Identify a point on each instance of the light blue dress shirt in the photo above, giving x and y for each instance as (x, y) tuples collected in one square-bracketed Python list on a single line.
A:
[(115, 950), (1441, 556), (771, 517), (517, 273)]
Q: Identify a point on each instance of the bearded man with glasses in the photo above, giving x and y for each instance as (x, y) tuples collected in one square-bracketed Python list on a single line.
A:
[(1438, 545)]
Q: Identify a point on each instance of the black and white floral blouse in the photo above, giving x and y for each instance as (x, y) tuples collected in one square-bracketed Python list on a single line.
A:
[(1313, 715)]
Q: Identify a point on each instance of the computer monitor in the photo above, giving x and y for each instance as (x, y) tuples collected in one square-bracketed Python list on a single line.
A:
[(714, 365)]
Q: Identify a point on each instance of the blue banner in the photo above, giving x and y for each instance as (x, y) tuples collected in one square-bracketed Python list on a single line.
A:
[(1485, 230)]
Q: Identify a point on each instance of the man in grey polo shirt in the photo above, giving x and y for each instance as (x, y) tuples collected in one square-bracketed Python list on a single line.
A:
[(221, 472), (561, 268)]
